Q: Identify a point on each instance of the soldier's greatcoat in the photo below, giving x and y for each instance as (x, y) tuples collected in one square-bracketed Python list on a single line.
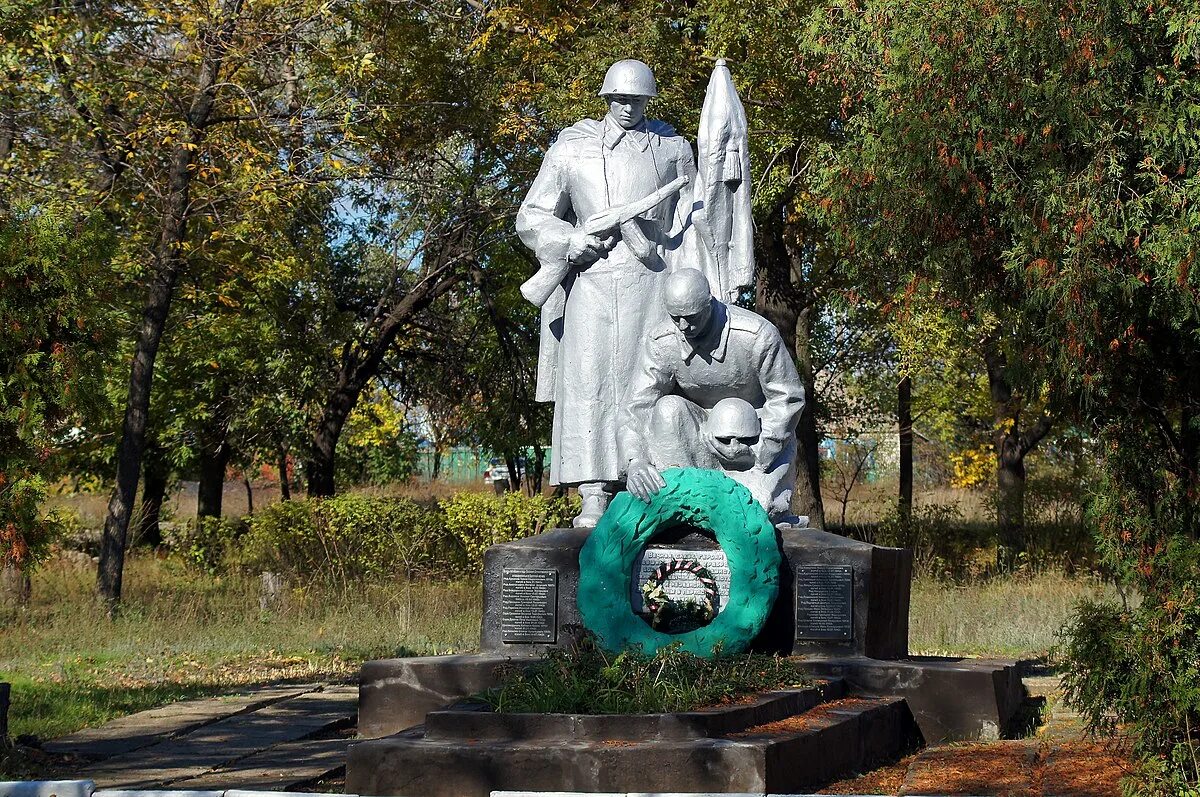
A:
[(594, 324)]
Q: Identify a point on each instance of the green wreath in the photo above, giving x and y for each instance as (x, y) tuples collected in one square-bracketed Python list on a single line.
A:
[(707, 499)]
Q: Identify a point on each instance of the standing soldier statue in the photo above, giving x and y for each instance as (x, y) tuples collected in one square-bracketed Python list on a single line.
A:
[(608, 216)]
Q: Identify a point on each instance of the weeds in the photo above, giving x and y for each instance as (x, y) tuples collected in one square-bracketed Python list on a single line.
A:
[(586, 680)]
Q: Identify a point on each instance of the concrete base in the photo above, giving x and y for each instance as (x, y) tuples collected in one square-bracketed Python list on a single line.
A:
[(713, 751), (878, 611), (394, 694), (951, 699)]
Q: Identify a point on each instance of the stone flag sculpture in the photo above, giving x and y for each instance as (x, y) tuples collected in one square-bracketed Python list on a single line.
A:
[(724, 218)]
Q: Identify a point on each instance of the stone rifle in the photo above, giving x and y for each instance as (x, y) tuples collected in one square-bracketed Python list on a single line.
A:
[(537, 289)]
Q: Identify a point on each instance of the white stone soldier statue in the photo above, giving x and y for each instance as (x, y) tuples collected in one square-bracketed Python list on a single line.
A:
[(705, 353), (605, 215)]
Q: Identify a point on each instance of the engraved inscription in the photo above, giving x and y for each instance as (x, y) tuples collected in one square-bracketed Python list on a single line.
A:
[(679, 586), (825, 603), (529, 606)]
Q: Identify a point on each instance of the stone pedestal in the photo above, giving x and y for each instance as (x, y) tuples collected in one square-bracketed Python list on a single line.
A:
[(785, 742), (843, 607), (837, 596)]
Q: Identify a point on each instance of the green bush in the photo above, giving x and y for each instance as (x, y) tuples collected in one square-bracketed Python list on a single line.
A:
[(206, 543), (1139, 664), (475, 521), (353, 537), (344, 538)]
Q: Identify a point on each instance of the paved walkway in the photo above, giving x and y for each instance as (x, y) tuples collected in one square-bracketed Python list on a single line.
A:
[(271, 738)]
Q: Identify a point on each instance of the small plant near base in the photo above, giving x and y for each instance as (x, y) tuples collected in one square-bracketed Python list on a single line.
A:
[(584, 679)]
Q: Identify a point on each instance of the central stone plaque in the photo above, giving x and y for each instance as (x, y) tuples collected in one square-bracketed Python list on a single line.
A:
[(529, 606), (679, 586), (825, 603)]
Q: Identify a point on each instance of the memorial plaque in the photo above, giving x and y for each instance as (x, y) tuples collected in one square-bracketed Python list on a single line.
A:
[(825, 603), (529, 606), (679, 586)]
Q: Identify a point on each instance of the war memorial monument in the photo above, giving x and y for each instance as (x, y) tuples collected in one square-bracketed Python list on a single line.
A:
[(675, 414)]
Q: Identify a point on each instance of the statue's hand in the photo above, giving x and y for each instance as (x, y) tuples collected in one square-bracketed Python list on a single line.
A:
[(584, 249), (643, 480)]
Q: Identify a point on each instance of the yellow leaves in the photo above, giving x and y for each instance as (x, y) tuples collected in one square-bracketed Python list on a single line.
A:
[(973, 467)]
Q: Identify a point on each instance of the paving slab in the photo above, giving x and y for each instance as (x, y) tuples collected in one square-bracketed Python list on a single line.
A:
[(145, 728), (221, 743), (283, 766)]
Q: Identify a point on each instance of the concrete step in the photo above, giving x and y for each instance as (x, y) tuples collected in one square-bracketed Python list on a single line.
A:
[(793, 754)]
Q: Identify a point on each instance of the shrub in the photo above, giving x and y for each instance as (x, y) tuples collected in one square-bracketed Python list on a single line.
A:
[(205, 543), (475, 521), (344, 538), (1140, 664)]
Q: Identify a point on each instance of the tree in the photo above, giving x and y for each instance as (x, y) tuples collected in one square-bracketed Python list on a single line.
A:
[(916, 191), (56, 335), (178, 114), (1058, 149)]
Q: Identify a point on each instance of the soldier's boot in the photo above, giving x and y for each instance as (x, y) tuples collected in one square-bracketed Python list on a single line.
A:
[(595, 500)]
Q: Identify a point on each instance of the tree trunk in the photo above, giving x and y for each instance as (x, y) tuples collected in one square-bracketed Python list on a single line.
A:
[(514, 475), (214, 459), (538, 467), (1011, 445), (787, 307), (806, 500), (168, 261), (285, 487), (249, 495), (904, 422), (322, 463), (156, 473)]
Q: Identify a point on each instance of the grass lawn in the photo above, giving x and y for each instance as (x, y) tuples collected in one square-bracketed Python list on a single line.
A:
[(182, 634)]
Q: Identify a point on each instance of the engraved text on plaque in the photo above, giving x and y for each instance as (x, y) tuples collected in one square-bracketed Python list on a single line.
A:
[(825, 603), (680, 586), (529, 606)]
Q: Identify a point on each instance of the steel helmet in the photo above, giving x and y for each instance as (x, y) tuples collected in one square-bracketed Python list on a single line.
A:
[(630, 76), (733, 417)]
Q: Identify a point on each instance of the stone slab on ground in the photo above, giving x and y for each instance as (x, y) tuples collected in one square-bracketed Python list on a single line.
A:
[(135, 731), (221, 743), (787, 756), (283, 766)]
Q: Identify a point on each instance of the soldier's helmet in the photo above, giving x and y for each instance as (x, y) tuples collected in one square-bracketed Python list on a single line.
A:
[(630, 76), (733, 417)]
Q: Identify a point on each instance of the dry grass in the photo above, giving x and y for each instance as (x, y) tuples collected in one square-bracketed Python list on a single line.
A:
[(180, 632), (1014, 617)]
